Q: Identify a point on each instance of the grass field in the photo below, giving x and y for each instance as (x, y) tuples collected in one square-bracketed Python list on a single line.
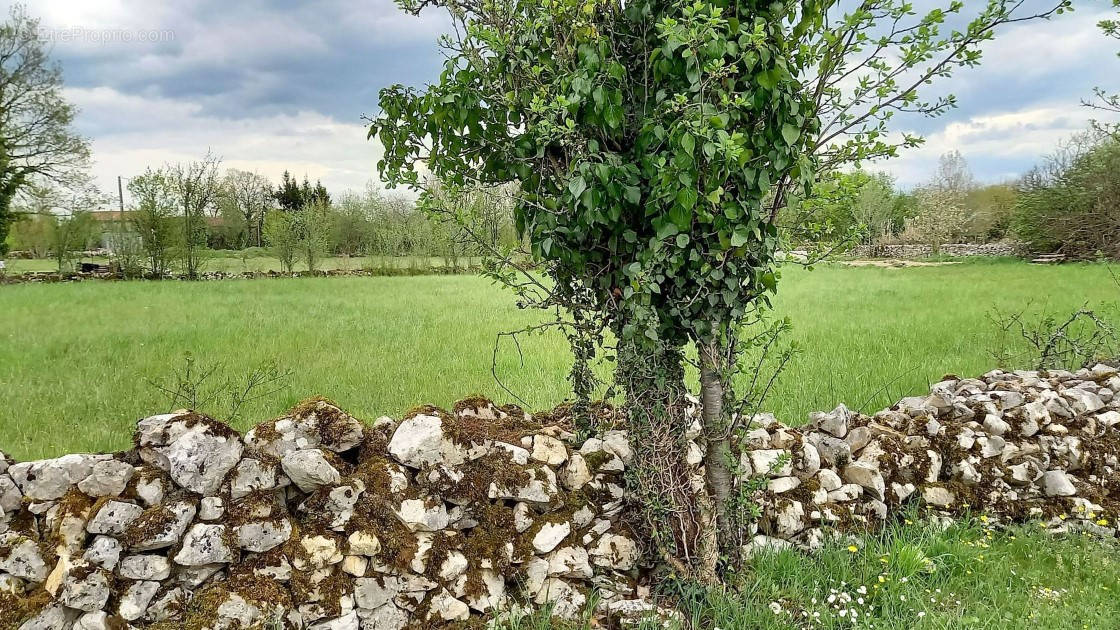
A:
[(76, 360)]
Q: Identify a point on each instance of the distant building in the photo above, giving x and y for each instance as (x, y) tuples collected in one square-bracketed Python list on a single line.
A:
[(117, 225)]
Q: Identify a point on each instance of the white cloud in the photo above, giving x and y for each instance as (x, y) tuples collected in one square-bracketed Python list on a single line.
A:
[(1016, 139), (155, 131)]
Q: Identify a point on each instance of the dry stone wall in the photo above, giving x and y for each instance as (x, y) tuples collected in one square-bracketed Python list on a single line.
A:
[(317, 520), (913, 250)]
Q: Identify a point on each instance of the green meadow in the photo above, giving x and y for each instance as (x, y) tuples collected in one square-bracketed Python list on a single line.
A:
[(79, 363)]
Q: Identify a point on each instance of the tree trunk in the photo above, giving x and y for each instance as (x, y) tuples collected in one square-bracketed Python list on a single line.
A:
[(717, 459)]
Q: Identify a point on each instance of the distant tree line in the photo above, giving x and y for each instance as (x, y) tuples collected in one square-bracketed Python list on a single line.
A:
[(181, 214), (1069, 204)]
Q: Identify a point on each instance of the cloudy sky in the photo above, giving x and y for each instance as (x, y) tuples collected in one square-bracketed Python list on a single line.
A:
[(283, 84)]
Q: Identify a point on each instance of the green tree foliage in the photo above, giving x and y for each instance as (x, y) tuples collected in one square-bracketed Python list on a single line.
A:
[(196, 189), (857, 206), (653, 143), (1071, 204), (292, 195), (71, 234), (282, 235), (245, 199), (312, 224), (32, 234), (153, 218), (38, 145), (992, 208)]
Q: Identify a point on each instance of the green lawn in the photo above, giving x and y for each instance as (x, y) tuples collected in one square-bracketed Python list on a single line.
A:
[(76, 360), (915, 576)]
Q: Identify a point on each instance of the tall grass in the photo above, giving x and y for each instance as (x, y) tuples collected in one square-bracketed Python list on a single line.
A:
[(75, 359)]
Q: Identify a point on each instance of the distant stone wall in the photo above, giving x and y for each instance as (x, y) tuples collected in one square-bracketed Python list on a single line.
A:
[(909, 251), (317, 520), (52, 277)]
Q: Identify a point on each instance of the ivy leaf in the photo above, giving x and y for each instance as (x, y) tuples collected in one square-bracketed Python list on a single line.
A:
[(769, 281), (740, 237), (790, 133), (768, 79), (686, 197), (666, 229), (688, 143), (577, 186)]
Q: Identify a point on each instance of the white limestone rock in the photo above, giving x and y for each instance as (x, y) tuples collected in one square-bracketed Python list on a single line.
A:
[(938, 496), (782, 484), (54, 616), (384, 617), (364, 543), (540, 488), (261, 536), (113, 518), (423, 515), (1083, 401), (103, 551), (549, 450), (134, 602), (1056, 483), (252, 475), (550, 535), (197, 452), (309, 469), (211, 508), (10, 496), (829, 480), (85, 589), (421, 441), (868, 476), (570, 562), (108, 478), (834, 422), (319, 552), (21, 557), (567, 601), (615, 551), (49, 479), (204, 544), (144, 567), (772, 462), (446, 607), (97, 620), (576, 474), (316, 424), (164, 525)]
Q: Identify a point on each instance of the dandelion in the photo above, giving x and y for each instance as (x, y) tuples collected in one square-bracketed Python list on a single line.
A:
[(853, 548), (775, 608), (1102, 522)]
